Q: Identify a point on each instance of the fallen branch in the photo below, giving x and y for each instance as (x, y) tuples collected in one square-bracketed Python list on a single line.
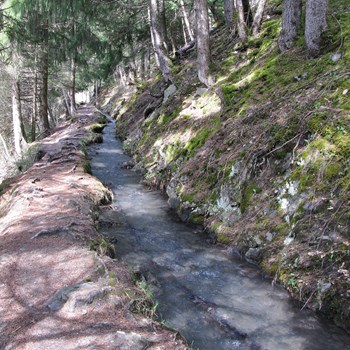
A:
[(284, 144)]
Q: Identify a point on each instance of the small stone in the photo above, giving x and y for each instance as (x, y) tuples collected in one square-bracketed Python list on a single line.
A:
[(345, 92), (324, 286), (233, 252), (288, 240), (201, 91), (335, 57), (169, 92), (270, 236), (257, 240)]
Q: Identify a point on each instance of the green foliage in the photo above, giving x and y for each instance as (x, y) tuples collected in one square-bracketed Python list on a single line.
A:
[(97, 128), (247, 194), (102, 247), (87, 167), (196, 218), (28, 158), (197, 142)]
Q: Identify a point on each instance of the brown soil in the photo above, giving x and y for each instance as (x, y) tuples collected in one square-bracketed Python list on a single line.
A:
[(54, 292)]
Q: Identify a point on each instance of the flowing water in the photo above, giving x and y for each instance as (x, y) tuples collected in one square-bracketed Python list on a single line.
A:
[(215, 300)]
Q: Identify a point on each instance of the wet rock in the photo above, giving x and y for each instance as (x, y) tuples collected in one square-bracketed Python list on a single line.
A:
[(253, 255), (128, 165), (233, 252), (173, 200)]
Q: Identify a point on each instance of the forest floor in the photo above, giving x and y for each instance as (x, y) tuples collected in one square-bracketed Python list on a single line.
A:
[(55, 292)]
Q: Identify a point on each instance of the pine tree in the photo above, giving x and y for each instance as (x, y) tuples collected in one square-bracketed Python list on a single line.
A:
[(315, 25), (203, 44), (290, 24)]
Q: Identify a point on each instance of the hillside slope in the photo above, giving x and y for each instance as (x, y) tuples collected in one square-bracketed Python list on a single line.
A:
[(262, 158)]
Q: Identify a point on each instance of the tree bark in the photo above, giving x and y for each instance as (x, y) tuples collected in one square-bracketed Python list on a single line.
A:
[(290, 23), (163, 61), (242, 24), (228, 10), (43, 111), (6, 150), (258, 17), (34, 109), (186, 20), (66, 103), (44, 118), (52, 116), (203, 43), (315, 25), (162, 24), (73, 105), (18, 130)]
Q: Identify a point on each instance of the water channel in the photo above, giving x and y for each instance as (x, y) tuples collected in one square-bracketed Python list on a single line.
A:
[(215, 300)]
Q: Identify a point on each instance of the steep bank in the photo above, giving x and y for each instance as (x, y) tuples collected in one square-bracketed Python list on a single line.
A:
[(262, 158), (55, 290)]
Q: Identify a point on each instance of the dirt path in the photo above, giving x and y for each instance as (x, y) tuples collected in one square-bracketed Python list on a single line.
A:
[(54, 292)]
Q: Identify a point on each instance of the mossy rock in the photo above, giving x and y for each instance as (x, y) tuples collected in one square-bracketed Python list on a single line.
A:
[(222, 238), (333, 170), (247, 194), (97, 128), (196, 218)]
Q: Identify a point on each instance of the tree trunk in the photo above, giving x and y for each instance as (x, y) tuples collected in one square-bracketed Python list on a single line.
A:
[(1, 18), (183, 30), (52, 116), (97, 88), (315, 25), (44, 118), (186, 20), (18, 130), (34, 109), (242, 24), (162, 24), (163, 61), (6, 150), (258, 17), (229, 9), (73, 105), (203, 44), (66, 103), (290, 23), (43, 112)]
